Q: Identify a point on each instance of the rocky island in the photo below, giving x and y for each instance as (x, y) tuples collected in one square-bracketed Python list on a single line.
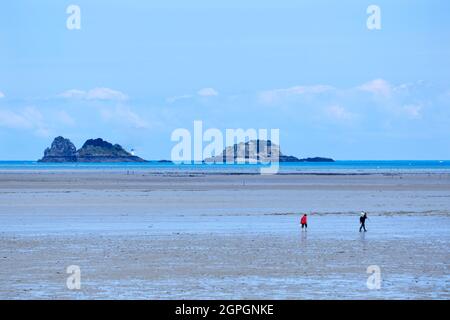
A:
[(257, 151), (93, 150), (61, 150)]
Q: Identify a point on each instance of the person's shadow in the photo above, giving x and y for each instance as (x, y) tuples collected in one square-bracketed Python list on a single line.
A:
[(303, 237), (363, 240)]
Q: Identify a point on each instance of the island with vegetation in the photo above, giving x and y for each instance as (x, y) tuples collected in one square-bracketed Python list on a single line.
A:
[(93, 150), (258, 151)]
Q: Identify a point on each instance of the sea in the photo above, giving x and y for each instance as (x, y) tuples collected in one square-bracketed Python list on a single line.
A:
[(337, 167)]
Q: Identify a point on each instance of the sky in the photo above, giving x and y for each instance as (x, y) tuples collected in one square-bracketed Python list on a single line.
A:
[(136, 71)]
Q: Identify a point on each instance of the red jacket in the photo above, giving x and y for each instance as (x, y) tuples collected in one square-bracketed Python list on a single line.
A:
[(304, 220)]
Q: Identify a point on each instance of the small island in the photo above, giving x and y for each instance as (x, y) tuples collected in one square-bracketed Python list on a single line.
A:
[(258, 151), (93, 150)]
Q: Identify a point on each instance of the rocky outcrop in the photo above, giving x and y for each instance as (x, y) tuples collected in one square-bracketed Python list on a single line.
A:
[(93, 150), (258, 151), (317, 159), (61, 150), (99, 150)]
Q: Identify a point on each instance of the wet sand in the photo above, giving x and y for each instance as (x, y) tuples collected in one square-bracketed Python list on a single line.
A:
[(157, 236)]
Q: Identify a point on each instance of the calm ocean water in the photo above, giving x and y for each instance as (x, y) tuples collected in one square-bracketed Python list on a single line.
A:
[(363, 166)]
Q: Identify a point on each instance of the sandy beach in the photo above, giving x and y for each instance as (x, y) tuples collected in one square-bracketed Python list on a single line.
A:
[(144, 235)]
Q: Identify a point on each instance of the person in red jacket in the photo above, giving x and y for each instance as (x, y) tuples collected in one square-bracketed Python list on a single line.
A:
[(304, 221)]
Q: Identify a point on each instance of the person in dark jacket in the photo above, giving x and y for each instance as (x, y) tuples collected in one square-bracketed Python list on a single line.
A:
[(362, 221)]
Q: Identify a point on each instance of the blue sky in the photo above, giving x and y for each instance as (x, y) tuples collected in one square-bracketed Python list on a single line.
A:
[(137, 70)]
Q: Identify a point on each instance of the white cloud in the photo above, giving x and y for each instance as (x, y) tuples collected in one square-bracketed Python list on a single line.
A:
[(397, 96), (2, 95), (404, 100), (413, 111), (94, 94), (124, 115), (14, 120), (176, 98), (337, 112), (28, 118), (271, 96), (105, 94), (207, 92), (378, 87), (204, 92), (73, 94)]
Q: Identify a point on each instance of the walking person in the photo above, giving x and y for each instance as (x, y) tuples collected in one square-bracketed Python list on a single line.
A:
[(362, 221), (304, 221)]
